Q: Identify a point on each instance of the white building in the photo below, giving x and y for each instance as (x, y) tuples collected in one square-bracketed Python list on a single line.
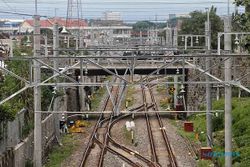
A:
[(112, 16), (106, 35), (10, 25)]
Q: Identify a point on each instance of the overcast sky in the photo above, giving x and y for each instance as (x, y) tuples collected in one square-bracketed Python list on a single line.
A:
[(130, 9)]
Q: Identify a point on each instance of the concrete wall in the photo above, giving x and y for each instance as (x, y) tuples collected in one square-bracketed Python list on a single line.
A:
[(11, 132), (15, 152), (23, 152), (72, 102)]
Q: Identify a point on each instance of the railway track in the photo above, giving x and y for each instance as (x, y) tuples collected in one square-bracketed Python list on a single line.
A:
[(171, 156), (101, 136), (102, 132), (150, 133), (94, 136), (126, 149)]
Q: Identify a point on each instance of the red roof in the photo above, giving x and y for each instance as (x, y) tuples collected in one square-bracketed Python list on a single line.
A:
[(43, 23), (62, 22)]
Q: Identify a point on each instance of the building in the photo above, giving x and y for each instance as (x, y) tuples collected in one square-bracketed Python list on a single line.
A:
[(105, 23), (172, 16), (106, 35), (112, 16), (28, 25), (10, 26), (183, 15), (5, 46)]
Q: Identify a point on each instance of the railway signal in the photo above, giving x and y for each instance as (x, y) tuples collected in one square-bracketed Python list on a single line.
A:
[(171, 90)]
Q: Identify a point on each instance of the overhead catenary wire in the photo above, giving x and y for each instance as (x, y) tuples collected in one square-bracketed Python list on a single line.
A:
[(6, 4), (127, 9)]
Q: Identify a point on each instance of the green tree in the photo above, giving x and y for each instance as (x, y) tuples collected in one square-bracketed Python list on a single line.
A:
[(10, 85), (241, 22), (196, 25), (143, 26)]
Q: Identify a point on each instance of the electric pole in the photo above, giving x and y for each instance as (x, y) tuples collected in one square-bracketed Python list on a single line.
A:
[(37, 96), (228, 94), (55, 65), (228, 90), (208, 86)]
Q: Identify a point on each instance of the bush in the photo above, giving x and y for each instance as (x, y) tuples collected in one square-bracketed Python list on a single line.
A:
[(29, 163)]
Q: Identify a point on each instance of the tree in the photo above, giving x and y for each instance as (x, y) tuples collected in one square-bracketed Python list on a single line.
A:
[(196, 25), (241, 22), (9, 85), (143, 26)]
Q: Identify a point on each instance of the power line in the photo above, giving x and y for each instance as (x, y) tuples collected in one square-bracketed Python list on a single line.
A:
[(125, 2), (18, 13), (7, 5)]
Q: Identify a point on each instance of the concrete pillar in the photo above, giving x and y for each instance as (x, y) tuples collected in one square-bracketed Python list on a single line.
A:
[(208, 86), (192, 41), (228, 94), (141, 37), (55, 65), (218, 93), (46, 45), (186, 38), (37, 96), (175, 38), (176, 88)]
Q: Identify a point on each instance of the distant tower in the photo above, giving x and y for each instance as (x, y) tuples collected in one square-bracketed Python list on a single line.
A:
[(74, 13)]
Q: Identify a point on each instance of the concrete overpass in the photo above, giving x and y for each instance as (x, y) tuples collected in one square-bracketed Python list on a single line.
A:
[(141, 67)]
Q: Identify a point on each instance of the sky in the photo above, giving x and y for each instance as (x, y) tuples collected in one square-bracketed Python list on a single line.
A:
[(131, 10)]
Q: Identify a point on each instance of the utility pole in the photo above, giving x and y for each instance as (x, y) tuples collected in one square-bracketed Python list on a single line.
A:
[(208, 86), (228, 91), (175, 38), (175, 90), (228, 94), (55, 65), (81, 89), (37, 96), (140, 37), (46, 45)]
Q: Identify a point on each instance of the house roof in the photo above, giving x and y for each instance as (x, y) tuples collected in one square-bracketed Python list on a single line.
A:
[(43, 23), (48, 23)]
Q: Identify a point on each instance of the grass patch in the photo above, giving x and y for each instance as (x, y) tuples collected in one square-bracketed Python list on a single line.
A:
[(161, 89), (130, 96), (97, 98), (127, 135), (204, 163), (166, 102), (60, 153), (240, 129)]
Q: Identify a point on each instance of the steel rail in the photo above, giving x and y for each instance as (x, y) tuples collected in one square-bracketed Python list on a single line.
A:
[(149, 129), (106, 139), (124, 148), (133, 164), (93, 135), (171, 155)]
